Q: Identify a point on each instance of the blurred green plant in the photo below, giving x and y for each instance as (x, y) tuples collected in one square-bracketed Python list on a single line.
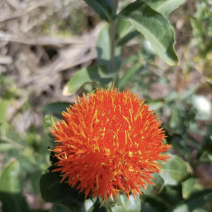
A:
[(30, 153), (201, 23)]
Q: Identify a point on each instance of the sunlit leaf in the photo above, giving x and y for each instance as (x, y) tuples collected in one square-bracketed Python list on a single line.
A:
[(97, 74), (164, 7), (155, 28), (126, 32)]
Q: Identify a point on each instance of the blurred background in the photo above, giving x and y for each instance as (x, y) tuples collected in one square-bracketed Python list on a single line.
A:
[(43, 43)]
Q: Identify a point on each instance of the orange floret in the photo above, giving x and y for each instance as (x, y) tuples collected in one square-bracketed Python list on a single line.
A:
[(109, 142)]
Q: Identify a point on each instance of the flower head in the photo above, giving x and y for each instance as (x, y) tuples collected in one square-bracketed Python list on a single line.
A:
[(109, 143)]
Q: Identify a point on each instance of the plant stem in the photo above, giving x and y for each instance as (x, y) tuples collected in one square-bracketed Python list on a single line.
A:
[(112, 46), (112, 36)]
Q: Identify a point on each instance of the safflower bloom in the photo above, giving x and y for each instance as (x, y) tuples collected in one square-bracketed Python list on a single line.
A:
[(109, 143)]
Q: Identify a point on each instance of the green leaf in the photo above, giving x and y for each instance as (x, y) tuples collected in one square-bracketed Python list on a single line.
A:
[(6, 147), (178, 143), (210, 157), (190, 186), (124, 32), (123, 82), (102, 7), (11, 189), (156, 105), (155, 28), (181, 207), (56, 108), (201, 199), (53, 190), (10, 178), (175, 120), (171, 96), (50, 140), (185, 95), (47, 122), (3, 108), (103, 49), (89, 203), (164, 7), (4, 104), (175, 170), (35, 180), (150, 204), (98, 74), (152, 190), (127, 205), (171, 194)]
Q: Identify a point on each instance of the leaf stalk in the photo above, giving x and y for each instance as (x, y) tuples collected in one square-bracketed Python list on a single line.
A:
[(112, 39)]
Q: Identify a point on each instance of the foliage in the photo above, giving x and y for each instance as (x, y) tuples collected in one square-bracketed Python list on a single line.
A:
[(30, 152), (178, 187)]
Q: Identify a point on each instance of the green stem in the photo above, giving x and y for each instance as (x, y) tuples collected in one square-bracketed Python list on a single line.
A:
[(112, 46), (112, 37)]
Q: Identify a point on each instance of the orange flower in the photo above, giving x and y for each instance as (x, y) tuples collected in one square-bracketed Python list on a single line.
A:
[(109, 143)]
